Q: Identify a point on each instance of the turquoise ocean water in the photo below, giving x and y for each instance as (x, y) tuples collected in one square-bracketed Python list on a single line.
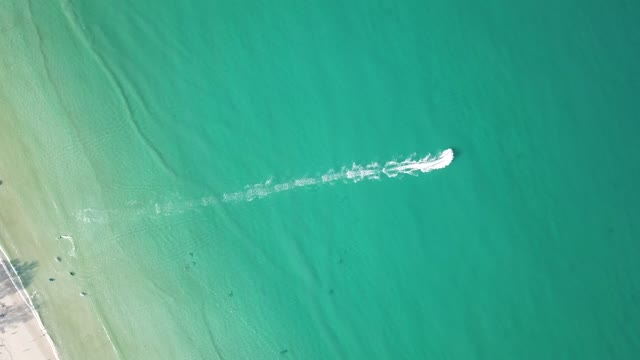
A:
[(525, 247)]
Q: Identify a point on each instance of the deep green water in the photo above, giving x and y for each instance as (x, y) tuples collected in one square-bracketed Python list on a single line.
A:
[(526, 247)]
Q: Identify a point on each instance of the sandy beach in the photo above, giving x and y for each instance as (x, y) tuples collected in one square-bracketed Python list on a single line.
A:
[(22, 335), (33, 217)]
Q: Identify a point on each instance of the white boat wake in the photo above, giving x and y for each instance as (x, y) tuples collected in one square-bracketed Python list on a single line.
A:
[(353, 174), (356, 173)]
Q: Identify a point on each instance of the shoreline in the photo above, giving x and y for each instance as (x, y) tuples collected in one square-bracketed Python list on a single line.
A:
[(20, 330)]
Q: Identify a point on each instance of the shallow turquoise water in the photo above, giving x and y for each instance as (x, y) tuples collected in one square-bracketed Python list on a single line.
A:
[(525, 247)]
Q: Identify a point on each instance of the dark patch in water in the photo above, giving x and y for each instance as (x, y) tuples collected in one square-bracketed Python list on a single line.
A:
[(24, 269)]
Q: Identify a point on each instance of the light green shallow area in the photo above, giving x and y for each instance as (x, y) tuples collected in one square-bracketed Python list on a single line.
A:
[(127, 122)]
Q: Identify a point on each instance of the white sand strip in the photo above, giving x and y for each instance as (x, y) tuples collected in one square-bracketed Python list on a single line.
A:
[(22, 334)]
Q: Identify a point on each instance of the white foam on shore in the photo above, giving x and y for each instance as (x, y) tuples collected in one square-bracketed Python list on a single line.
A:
[(25, 297), (113, 346)]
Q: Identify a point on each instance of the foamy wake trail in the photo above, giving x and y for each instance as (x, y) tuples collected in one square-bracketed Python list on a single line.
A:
[(355, 173)]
